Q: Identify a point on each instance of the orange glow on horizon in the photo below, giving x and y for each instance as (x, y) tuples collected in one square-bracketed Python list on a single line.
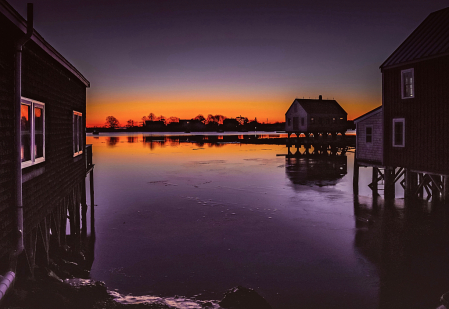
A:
[(271, 109)]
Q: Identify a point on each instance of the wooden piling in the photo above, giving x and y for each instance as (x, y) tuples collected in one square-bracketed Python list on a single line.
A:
[(83, 210), (446, 188), (92, 203), (374, 182), (411, 183), (389, 177), (355, 178)]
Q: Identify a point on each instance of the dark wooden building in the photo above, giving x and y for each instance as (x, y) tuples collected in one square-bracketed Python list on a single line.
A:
[(315, 116), (415, 103), (415, 111), (43, 154)]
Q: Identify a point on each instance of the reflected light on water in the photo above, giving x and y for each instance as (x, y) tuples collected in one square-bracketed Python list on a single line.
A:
[(178, 217)]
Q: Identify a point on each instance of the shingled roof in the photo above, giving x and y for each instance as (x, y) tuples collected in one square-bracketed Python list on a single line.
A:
[(430, 39), (317, 106)]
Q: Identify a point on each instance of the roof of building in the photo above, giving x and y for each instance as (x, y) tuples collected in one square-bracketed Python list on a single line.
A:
[(9, 12), (317, 106), (368, 114), (429, 40)]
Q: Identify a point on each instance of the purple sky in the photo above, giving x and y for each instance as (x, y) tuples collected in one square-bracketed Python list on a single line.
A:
[(182, 58)]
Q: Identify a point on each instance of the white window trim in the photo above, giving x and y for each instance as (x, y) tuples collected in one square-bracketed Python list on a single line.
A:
[(33, 103), (402, 83), (369, 143), (403, 132), (80, 131)]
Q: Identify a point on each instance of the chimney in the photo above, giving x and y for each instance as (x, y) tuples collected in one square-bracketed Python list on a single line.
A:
[(320, 97)]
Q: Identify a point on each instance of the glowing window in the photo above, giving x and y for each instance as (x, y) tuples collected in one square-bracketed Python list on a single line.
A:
[(78, 141), (32, 123)]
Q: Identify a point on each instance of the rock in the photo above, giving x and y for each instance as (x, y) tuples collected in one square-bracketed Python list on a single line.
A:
[(243, 298)]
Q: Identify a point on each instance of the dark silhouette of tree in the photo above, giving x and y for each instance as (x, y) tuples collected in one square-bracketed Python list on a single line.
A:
[(171, 119), (130, 123), (112, 122), (200, 118), (160, 118), (242, 120), (151, 117), (218, 119)]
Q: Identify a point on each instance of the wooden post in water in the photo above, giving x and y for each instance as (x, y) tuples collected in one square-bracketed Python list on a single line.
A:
[(92, 203), (435, 187), (446, 188), (389, 176), (374, 182), (355, 178), (83, 210), (411, 183), (420, 192)]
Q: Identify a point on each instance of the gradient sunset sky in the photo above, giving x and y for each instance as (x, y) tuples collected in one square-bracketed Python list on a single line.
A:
[(249, 58)]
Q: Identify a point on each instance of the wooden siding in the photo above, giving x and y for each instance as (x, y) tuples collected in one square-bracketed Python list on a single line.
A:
[(370, 152), (8, 33), (426, 117), (46, 184)]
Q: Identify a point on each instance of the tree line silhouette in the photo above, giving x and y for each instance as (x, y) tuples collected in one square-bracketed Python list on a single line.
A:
[(152, 122)]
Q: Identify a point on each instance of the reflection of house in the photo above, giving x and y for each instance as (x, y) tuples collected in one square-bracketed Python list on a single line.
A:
[(321, 170), (369, 137), (315, 116), (43, 157), (415, 111), (401, 238)]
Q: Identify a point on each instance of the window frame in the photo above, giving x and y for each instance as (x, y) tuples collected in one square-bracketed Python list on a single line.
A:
[(33, 104), (370, 135), (80, 133), (403, 96), (396, 120)]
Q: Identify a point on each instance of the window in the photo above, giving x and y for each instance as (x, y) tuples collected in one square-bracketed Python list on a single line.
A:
[(407, 84), (398, 132), (32, 124), (302, 121), (289, 121), (77, 133), (369, 134)]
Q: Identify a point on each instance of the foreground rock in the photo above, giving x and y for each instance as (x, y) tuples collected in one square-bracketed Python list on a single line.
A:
[(243, 298)]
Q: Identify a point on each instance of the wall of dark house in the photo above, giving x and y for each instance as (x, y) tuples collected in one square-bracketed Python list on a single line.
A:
[(7, 36), (426, 117), (46, 184)]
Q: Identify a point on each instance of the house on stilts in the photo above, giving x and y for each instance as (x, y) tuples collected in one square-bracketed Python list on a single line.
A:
[(44, 159), (315, 117), (414, 114)]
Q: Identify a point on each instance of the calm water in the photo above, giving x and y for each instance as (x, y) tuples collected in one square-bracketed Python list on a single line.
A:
[(197, 219)]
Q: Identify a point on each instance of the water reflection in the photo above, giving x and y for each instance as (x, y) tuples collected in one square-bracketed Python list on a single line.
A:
[(316, 170), (408, 242), (112, 140), (189, 220), (133, 139)]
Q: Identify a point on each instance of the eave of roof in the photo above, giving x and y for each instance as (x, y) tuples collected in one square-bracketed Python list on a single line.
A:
[(10, 13), (368, 114), (429, 40)]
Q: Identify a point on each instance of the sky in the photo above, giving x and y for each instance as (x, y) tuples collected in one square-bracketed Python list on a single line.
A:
[(249, 58)]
